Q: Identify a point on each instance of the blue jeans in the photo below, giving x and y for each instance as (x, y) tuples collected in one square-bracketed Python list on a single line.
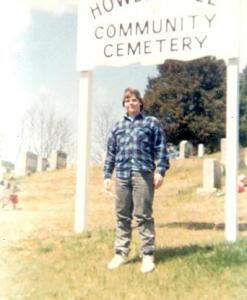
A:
[(134, 196)]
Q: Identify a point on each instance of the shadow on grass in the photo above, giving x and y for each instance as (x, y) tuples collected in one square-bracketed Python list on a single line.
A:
[(163, 254), (200, 225)]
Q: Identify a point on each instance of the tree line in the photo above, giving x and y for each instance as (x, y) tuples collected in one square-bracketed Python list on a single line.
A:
[(190, 100)]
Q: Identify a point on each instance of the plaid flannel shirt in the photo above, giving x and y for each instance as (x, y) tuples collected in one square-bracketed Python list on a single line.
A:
[(135, 145)]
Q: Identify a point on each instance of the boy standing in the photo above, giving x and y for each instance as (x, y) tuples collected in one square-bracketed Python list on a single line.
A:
[(136, 148)]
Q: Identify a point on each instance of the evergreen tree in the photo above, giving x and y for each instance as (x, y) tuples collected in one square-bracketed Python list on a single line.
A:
[(243, 108), (189, 99)]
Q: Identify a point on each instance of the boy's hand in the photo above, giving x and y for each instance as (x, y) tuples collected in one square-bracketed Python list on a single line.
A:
[(158, 180)]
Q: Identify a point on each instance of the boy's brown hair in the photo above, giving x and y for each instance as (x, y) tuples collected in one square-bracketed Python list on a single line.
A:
[(131, 91)]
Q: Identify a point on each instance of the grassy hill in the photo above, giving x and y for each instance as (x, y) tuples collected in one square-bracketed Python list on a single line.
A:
[(42, 258)]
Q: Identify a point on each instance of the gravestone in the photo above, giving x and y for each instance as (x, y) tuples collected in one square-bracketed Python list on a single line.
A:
[(185, 149), (27, 163), (211, 176), (42, 164), (57, 160), (200, 150), (242, 157)]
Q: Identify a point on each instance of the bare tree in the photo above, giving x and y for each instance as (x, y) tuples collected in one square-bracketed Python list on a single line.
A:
[(104, 119), (44, 130)]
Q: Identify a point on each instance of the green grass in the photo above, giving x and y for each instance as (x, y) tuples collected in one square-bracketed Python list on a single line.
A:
[(74, 267), (51, 262)]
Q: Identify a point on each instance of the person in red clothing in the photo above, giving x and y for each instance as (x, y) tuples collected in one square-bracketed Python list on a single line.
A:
[(8, 193), (14, 200), (13, 197)]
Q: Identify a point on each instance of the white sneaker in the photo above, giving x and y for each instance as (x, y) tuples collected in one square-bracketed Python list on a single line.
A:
[(147, 263), (117, 261)]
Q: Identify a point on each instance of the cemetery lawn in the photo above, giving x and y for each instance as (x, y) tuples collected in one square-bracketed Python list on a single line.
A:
[(42, 259)]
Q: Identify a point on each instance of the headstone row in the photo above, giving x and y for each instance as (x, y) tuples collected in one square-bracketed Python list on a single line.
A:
[(186, 150), (213, 169), (30, 163)]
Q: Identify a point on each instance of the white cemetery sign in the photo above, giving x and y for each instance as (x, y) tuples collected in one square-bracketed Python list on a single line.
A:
[(121, 32)]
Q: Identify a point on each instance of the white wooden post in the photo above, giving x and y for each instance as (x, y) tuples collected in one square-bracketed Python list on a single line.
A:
[(83, 154), (232, 146)]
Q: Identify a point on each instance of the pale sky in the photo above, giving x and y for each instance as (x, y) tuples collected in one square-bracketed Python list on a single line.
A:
[(38, 55)]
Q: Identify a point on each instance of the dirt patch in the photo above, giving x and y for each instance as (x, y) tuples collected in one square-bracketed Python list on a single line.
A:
[(19, 224)]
